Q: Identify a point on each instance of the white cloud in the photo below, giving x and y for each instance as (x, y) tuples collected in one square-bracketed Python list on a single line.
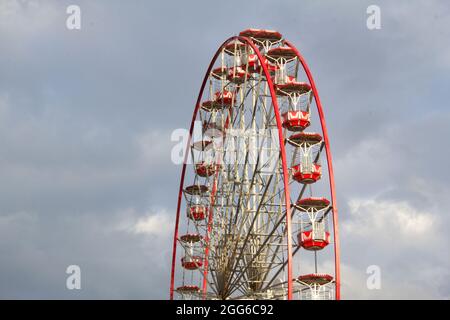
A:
[(154, 147), (402, 240), (386, 218), (9, 220), (419, 32), (28, 17), (91, 173), (158, 224), (354, 285)]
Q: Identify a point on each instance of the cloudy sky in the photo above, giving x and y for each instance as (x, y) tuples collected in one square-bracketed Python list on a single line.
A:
[(86, 117)]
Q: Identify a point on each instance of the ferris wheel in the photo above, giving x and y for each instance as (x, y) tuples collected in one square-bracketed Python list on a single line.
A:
[(256, 215)]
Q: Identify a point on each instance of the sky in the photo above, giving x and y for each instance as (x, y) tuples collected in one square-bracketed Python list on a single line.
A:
[(86, 117)]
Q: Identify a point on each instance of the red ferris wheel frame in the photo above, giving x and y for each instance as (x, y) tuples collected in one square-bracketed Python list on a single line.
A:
[(283, 159)]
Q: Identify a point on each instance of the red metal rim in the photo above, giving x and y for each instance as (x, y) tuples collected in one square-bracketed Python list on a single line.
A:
[(330, 168)]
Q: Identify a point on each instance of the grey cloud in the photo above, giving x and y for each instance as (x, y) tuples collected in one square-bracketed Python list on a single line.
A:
[(74, 106)]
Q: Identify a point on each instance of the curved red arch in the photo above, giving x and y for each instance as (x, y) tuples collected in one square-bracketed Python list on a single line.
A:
[(283, 159), (330, 168)]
